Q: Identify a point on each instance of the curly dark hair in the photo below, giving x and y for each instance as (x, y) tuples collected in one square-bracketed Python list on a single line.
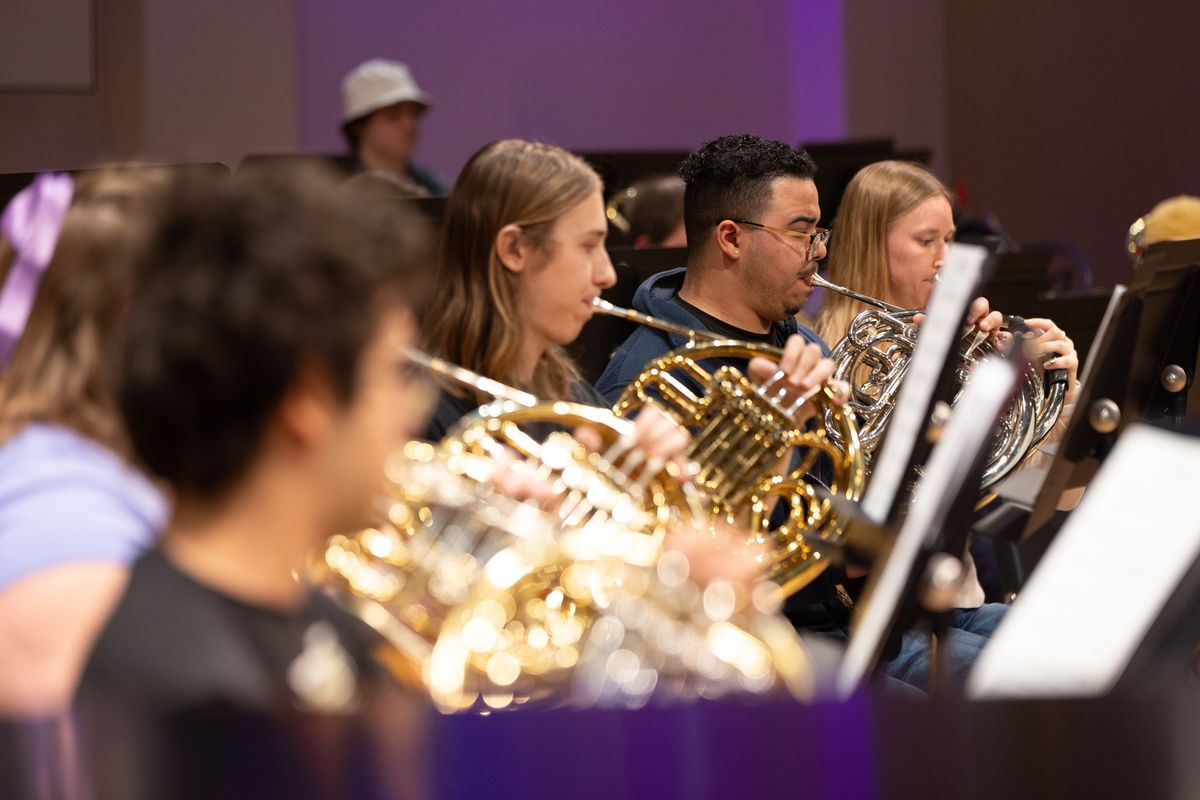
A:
[(242, 282), (731, 177)]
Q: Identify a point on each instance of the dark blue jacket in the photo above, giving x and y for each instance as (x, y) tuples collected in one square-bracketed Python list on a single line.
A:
[(645, 344)]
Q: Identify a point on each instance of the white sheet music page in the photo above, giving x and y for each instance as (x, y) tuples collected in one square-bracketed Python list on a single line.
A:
[(1071, 631), (939, 332)]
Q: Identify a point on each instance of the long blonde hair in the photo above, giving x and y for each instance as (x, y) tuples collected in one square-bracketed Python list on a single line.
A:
[(875, 198), (476, 319), (61, 368)]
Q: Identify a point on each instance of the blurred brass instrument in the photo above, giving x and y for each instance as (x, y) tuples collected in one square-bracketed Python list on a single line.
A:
[(741, 432), (576, 598), (874, 357), (614, 209), (644, 494)]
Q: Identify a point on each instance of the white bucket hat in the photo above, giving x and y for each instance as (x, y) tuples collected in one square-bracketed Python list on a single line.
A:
[(376, 84)]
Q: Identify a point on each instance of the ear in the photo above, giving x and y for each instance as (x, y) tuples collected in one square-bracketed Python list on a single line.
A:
[(513, 248), (729, 239), (307, 412)]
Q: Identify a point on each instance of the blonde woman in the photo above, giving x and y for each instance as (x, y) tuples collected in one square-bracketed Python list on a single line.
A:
[(892, 233), (893, 229)]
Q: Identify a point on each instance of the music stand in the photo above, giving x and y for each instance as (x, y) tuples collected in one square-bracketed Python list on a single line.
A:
[(892, 601), (942, 507), (1016, 279), (1070, 633), (1145, 368), (929, 381), (837, 163), (621, 168)]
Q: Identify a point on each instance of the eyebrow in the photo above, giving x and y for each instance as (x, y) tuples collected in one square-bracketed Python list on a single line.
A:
[(803, 218)]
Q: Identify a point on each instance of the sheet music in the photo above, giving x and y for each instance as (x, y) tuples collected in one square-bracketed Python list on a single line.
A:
[(1101, 332), (968, 430), (1070, 633), (939, 333)]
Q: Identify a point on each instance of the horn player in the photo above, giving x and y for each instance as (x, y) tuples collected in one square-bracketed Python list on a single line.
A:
[(751, 210)]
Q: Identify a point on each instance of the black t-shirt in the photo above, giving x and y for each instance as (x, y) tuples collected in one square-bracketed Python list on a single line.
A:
[(174, 644), (776, 336)]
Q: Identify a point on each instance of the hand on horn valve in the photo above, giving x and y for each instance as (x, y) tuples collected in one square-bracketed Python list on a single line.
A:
[(722, 553), (1051, 340), (801, 372), (980, 315), (657, 435), (516, 478)]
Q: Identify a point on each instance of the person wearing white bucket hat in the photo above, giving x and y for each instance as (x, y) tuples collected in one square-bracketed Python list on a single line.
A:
[(381, 119)]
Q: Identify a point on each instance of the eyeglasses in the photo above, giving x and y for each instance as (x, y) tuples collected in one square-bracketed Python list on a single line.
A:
[(816, 237)]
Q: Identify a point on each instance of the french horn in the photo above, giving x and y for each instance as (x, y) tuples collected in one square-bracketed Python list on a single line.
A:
[(741, 432), (487, 600), (874, 357)]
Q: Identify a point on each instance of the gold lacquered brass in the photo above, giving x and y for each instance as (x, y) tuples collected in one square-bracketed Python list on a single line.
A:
[(438, 525), (741, 434), (489, 602)]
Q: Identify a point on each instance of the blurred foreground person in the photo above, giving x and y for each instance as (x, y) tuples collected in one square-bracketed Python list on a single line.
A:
[(261, 377)]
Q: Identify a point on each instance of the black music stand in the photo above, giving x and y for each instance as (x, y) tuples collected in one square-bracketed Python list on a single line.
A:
[(913, 585), (620, 168), (1072, 632), (1016, 280), (1145, 369), (893, 601)]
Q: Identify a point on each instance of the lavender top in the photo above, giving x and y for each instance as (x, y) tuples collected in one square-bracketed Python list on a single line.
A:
[(66, 499)]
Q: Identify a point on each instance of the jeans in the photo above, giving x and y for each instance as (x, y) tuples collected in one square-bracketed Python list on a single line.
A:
[(970, 629)]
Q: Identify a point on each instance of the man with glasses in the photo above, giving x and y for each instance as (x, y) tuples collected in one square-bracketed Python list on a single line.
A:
[(750, 210)]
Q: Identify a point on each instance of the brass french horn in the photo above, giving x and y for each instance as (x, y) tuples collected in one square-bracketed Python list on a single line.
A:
[(488, 600), (741, 432), (874, 356)]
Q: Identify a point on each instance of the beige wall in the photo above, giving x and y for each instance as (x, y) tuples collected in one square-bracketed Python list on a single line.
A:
[(176, 80), (896, 75), (219, 79), (1070, 121), (1065, 122)]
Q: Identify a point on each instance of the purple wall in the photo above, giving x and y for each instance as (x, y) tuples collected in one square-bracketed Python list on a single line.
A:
[(621, 74)]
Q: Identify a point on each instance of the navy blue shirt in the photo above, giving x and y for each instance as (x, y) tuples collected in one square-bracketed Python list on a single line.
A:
[(659, 297)]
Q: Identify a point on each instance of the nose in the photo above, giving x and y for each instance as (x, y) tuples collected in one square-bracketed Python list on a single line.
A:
[(818, 251), (604, 275), (941, 254)]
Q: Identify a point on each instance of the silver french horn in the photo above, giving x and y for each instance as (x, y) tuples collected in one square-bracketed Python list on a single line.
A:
[(874, 357)]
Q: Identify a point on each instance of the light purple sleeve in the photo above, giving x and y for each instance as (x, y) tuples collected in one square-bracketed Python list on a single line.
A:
[(66, 501)]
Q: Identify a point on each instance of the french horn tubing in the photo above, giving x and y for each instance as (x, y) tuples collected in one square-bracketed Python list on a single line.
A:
[(873, 359), (741, 432), (486, 600)]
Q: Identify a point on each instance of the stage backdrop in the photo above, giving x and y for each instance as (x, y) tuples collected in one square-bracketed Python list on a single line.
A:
[(620, 74)]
